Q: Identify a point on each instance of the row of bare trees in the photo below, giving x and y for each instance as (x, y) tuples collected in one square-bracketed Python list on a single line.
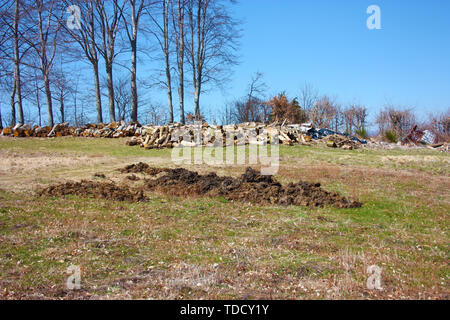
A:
[(322, 111), (193, 43)]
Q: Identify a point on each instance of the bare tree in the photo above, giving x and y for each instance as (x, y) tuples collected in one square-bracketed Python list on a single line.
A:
[(338, 120), (228, 114), (439, 124), (349, 116), (108, 15), (131, 22), (360, 117), (355, 118), (74, 93), (211, 44), (44, 39), (38, 89), (12, 49), (160, 18), (62, 85), (308, 96), (155, 114), (123, 98), (17, 84), (398, 120), (83, 33), (178, 20), (252, 107), (323, 113)]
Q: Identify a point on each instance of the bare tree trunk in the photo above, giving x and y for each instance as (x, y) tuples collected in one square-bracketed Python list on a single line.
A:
[(18, 86), (169, 95), (19, 92), (48, 95), (211, 44), (61, 106), (197, 100), (181, 94), (131, 29), (109, 76), (180, 57), (1, 122), (134, 95), (133, 43), (86, 39), (13, 105), (109, 23), (98, 96), (166, 57), (38, 102)]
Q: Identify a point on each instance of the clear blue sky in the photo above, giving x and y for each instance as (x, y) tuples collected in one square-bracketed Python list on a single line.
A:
[(327, 44)]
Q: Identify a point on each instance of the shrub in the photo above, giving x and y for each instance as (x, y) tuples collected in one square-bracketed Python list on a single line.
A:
[(362, 133), (391, 136), (282, 109)]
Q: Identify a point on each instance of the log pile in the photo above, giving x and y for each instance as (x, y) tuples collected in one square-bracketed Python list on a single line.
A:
[(243, 134), (174, 135), (111, 130), (339, 141)]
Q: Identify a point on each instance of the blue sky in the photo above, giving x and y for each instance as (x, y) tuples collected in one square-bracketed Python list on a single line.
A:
[(326, 43)]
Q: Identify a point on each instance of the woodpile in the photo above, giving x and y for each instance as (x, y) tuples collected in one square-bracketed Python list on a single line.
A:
[(339, 141), (174, 135), (111, 130), (243, 134)]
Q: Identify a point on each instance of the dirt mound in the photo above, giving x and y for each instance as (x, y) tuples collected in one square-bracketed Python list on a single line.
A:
[(250, 187), (91, 189), (141, 167)]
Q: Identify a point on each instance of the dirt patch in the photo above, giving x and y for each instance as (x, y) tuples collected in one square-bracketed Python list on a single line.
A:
[(91, 189), (142, 167), (249, 187), (99, 175), (133, 177)]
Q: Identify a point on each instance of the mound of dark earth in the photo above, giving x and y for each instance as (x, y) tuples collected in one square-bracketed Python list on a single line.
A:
[(93, 189), (142, 167), (249, 187)]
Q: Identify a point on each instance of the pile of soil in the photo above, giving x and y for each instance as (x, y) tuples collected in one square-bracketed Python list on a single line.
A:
[(142, 167), (92, 189), (249, 187)]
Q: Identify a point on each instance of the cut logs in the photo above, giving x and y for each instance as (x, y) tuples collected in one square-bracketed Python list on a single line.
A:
[(174, 135)]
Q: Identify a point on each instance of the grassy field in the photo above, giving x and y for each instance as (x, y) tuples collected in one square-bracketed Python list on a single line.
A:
[(211, 248)]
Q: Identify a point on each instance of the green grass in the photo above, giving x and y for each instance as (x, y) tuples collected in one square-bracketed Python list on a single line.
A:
[(80, 146), (175, 248)]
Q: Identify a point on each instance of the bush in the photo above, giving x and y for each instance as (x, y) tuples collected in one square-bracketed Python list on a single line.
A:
[(391, 136), (282, 109), (362, 133)]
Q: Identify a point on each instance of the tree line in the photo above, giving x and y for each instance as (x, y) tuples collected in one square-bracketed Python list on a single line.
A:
[(322, 111), (193, 42)]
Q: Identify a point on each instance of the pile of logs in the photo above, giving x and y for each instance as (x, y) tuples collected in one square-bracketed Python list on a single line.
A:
[(243, 134), (111, 130), (173, 135), (339, 141)]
